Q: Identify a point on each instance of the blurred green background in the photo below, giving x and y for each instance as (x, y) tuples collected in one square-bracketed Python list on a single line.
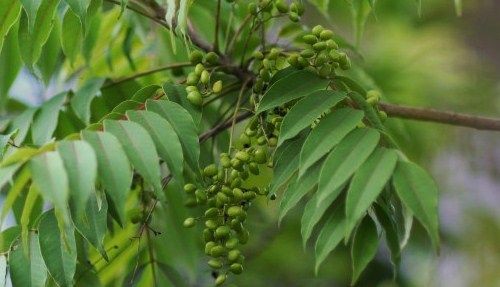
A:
[(434, 60)]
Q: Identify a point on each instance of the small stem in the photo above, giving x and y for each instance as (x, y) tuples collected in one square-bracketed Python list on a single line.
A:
[(235, 113), (229, 47), (217, 25), (146, 73)]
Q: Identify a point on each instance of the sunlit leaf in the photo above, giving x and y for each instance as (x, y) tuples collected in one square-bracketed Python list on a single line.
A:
[(327, 134), (81, 166), (296, 85), (306, 111), (364, 247), (82, 99), (166, 140), (140, 149), (9, 12), (345, 159), (183, 124), (72, 35), (367, 184), (58, 249), (113, 169), (419, 193), (26, 266), (45, 121)]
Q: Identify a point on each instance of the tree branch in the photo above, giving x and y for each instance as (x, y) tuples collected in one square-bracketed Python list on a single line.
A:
[(443, 117), (146, 73)]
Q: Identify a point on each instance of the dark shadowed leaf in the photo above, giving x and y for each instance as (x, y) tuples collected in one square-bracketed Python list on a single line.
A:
[(364, 247)]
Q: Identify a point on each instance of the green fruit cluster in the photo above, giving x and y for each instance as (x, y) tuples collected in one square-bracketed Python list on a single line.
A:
[(226, 198), (198, 81), (321, 53), (294, 10)]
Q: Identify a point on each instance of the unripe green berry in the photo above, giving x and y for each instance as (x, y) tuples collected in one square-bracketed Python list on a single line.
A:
[(252, 9), (199, 69), (233, 255), (253, 168), (294, 17), (236, 183), (195, 98), (319, 46), (208, 247), (217, 251), (222, 198), (211, 224), (201, 196), (196, 57), (212, 58), (192, 79), (249, 195), (331, 44), (260, 155), (189, 188), (236, 268), (281, 6), (237, 194), (236, 164), (272, 142), (215, 263), (222, 232), (235, 211), (232, 243), (211, 212), (310, 39), (192, 89), (258, 55), (208, 235), (210, 170), (250, 132), (205, 77), (242, 155), (221, 278), (244, 175), (316, 30), (382, 115), (326, 35), (293, 60), (189, 222), (308, 53), (225, 162), (217, 87)]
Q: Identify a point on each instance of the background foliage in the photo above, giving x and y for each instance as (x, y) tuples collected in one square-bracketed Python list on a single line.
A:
[(420, 44)]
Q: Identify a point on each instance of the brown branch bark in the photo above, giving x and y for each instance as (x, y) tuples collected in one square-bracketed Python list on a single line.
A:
[(443, 117)]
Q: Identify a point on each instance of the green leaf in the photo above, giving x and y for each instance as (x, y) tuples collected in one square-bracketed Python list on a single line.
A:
[(71, 35), (123, 5), (30, 211), (183, 125), (31, 8), (298, 189), (314, 211), (330, 236), (293, 86), (367, 184), (327, 134), (9, 12), (80, 162), (113, 168), (286, 163), (10, 62), (22, 123), (17, 187), (305, 111), (8, 237), (166, 140), (31, 42), (82, 99), (50, 57), (26, 264), (345, 159), (364, 247), (140, 149), (92, 224), (391, 236), (419, 193), (58, 249), (177, 93), (360, 9), (51, 179), (45, 121), (79, 7), (145, 93)]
